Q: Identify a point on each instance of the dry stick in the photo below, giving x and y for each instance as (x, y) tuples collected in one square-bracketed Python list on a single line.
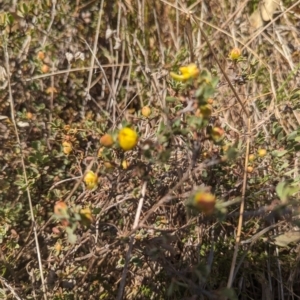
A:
[(116, 81), (161, 47), (63, 181), (93, 56), (242, 206), (177, 26), (130, 66), (5, 282), (95, 47), (51, 104), (60, 72), (120, 77), (53, 14), (101, 68), (12, 111), (128, 255)]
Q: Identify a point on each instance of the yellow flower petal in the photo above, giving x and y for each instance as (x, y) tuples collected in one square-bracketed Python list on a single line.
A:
[(190, 70), (187, 72), (177, 77)]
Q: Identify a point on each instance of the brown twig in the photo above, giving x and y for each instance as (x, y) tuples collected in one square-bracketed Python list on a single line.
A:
[(12, 111), (242, 207)]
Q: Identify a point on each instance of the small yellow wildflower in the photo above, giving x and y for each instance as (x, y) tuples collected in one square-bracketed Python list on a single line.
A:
[(45, 68), (91, 180), (250, 169), (106, 140), (205, 202), (187, 72), (86, 216), (235, 54), (205, 111), (262, 152), (146, 111), (128, 138), (125, 164), (51, 89), (57, 248), (60, 208), (67, 147), (217, 134), (251, 157), (41, 55)]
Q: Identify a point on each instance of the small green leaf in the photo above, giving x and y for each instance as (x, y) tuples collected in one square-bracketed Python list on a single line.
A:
[(279, 153), (171, 99), (292, 135), (283, 240), (228, 293), (284, 191), (71, 236), (171, 289)]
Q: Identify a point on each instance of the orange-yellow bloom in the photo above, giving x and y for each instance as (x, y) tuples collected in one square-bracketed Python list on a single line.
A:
[(61, 212), (217, 134), (187, 72), (106, 140), (60, 208), (205, 202)]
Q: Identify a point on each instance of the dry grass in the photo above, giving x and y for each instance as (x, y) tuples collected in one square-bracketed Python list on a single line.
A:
[(72, 72)]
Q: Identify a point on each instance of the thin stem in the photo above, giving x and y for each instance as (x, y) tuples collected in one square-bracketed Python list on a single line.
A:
[(12, 112)]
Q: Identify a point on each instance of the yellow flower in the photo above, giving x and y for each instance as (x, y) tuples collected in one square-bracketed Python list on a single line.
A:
[(235, 54), (128, 138), (187, 72), (262, 152), (146, 111), (125, 164), (91, 180), (67, 147), (86, 216), (217, 134), (106, 140), (205, 202), (205, 111), (60, 208)]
